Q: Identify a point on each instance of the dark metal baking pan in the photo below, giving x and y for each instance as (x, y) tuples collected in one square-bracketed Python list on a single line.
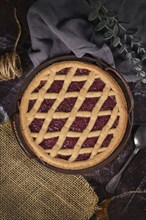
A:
[(117, 76)]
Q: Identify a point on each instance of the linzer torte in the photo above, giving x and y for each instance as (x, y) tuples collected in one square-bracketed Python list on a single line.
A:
[(73, 115)]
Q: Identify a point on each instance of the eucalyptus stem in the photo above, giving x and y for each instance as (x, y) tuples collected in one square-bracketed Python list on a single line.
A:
[(100, 14), (115, 20)]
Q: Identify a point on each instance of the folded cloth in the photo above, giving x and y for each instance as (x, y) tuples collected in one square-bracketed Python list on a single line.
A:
[(61, 27)]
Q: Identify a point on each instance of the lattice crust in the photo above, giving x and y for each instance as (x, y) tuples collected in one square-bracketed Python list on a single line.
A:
[(97, 152)]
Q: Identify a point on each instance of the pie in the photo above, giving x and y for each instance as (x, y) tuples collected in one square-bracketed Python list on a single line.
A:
[(73, 115)]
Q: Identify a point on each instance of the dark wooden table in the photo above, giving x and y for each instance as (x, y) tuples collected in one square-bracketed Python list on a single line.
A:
[(128, 201)]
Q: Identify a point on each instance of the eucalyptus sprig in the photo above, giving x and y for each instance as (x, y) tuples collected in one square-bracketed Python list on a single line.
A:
[(122, 39)]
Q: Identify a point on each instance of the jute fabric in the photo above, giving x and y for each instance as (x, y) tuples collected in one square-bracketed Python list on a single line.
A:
[(31, 191)]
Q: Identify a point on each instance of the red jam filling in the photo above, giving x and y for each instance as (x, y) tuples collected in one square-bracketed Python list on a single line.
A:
[(82, 72), (82, 157), (90, 142), (63, 157), (31, 104), (46, 105), (88, 104), (56, 125), (80, 123), (56, 86), (109, 104), (116, 122), (36, 125), (75, 86), (66, 105), (49, 143), (63, 71), (42, 83), (100, 122), (107, 140), (97, 85), (69, 143)]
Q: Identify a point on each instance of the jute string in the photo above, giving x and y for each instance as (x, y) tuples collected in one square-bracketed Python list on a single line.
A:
[(10, 63)]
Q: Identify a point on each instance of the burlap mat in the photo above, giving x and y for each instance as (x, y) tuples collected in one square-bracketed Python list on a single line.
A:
[(31, 191)]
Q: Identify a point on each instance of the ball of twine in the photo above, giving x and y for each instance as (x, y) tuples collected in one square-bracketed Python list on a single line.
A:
[(10, 63)]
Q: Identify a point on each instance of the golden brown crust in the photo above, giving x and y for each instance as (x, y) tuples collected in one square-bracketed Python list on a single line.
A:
[(97, 154)]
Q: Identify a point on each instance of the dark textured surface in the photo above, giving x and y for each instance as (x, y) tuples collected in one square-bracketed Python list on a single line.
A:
[(127, 202)]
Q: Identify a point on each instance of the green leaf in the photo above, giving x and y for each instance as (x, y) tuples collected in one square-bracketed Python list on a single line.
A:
[(123, 48), (138, 50), (136, 41), (125, 37), (144, 80), (108, 34), (132, 44), (138, 44), (136, 61), (129, 56), (103, 11), (116, 41), (96, 4), (111, 14), (93, 15), (131, 31), (110, 21), (102, 17), (142, 50), (138, 68), (142, 74), (143, 57), (115, 30), (100, 25), (128, 48)]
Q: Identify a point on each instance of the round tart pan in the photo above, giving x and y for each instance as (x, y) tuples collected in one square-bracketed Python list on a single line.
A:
[(117, 76)]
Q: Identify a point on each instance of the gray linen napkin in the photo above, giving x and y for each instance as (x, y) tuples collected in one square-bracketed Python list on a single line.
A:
[(61, 27)]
